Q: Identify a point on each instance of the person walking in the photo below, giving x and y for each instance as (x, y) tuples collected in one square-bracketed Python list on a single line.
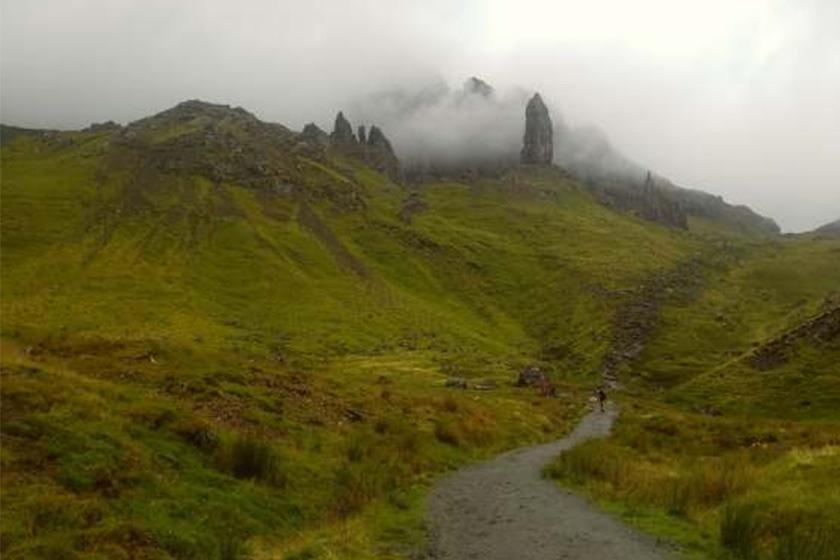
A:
[(602, 397)]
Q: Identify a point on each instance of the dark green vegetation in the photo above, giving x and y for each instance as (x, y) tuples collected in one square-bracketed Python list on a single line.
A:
[(219, 340)]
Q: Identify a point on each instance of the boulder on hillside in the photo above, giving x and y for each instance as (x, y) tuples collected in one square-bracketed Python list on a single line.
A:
[(531, 376), (538, 142), (456, 383)]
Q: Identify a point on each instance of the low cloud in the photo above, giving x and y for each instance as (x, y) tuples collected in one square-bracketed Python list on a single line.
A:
[(737, 98)]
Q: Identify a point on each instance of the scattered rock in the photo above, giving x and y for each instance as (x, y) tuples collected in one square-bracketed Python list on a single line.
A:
[(354, 415), (531, 376), (413, 204), (822, 328), (538, 142), (102, 127), (456, 382), (485, 385), (639, 315)]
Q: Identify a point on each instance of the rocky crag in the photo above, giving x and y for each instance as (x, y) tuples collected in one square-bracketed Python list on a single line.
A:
[(372, 147), (538, 142), (647, 200)]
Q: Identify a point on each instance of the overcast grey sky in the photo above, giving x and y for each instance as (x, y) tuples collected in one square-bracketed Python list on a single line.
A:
[(737, 97)]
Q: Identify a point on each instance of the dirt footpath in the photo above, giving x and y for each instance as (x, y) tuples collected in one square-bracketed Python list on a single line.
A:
[(503, 509)]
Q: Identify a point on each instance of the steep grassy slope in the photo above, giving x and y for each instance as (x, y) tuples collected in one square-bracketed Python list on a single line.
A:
[(215, 335), (765, 292), (743, 462)]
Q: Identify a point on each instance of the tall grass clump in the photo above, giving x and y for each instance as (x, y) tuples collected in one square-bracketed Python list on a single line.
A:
[(818, 543), (251, 458), (740, 526)]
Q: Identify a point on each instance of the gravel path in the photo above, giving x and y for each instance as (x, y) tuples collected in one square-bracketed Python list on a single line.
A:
[(504, 509)]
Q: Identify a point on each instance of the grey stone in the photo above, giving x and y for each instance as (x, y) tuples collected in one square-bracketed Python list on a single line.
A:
[(314, 135), (342, 131), (538, 143)]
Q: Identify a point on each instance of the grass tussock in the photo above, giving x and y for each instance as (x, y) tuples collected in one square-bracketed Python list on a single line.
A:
[(251, 458)]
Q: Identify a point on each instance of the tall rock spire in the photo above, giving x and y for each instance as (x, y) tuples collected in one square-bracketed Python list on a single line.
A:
[(342, 131), (538, 143)]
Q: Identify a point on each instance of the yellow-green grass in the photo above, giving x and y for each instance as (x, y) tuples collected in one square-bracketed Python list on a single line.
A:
[(760, 291), (193, 369), (198, 369), (731, 487)]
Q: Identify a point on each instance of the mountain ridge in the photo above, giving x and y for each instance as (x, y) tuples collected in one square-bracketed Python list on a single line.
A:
[(650, 197)]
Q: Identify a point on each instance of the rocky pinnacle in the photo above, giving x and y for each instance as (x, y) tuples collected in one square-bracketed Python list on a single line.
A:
[(538, 145), (342, 132)]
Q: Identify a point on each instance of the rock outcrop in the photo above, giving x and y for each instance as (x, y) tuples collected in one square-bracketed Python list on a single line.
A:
[(531, 376), (538, 142), (380, 154), (378, 141), (820, 329), (314, 135), (342, 131), (371, 145), (107, 126), (478, 86)]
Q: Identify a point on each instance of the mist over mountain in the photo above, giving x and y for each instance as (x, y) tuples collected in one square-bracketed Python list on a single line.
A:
[(476, 124), (440, 126), (440, 130)]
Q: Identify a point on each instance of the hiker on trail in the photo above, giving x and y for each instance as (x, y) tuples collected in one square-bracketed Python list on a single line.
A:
[(602, 397)]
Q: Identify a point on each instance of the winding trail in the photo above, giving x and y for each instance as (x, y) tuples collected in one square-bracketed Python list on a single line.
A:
[(504, 509)]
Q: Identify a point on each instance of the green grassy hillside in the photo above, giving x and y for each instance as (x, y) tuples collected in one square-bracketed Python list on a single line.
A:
[(216, 338), (729, 438), (220, 341)]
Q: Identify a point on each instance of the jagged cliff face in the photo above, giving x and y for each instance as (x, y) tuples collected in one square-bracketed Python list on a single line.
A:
[(538, 142)]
